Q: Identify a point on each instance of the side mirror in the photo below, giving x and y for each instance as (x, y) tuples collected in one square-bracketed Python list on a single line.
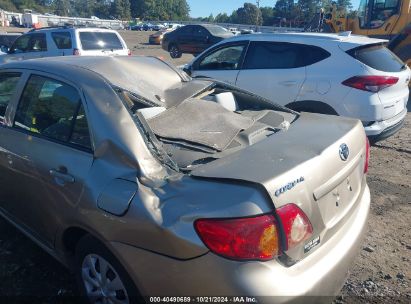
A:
[(188, 69), (4, 49)]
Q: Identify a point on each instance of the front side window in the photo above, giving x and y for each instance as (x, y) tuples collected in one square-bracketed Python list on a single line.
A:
[(227, 58), (62, 40), (21, 44), (8, 84), (274, 55), (100, 41), (52, 109)]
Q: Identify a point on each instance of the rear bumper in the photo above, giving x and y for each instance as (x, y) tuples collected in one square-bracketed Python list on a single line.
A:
[(383, 129), (315, 279)]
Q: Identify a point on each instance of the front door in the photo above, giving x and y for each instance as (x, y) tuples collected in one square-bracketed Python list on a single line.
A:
[(28, 46)]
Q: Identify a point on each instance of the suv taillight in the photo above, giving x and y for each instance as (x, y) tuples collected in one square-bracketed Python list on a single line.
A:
[(370, 83), (76, 52), (129, 52), (367, 155), (254, 238)]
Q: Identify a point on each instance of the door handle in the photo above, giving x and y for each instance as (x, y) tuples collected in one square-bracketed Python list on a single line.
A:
[(61, 177), (387, 26), (288, 83)]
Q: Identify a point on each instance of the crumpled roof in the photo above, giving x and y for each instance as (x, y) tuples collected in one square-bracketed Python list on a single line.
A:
[(148, 77)]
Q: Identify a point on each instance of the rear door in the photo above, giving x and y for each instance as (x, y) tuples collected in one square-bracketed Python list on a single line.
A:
[(184, 38), (48, 154), (201, 38), (221, 63), (274, 70)]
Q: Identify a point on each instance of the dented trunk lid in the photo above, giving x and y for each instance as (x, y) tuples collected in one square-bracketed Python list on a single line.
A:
[(303, 166)]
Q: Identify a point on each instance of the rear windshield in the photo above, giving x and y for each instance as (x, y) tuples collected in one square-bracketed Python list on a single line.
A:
[(378, 57), (100, 41)]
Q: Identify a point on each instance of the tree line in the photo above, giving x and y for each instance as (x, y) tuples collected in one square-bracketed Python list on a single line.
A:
[(283, 12), (105, 9)]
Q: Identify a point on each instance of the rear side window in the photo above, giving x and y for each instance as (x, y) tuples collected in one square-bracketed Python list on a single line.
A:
[(38, 43), (274, 55), (100, 41), (8, 84), (54, 110), (185, 30), (62, 40), (378, 57), (21, 44), (313, 54)]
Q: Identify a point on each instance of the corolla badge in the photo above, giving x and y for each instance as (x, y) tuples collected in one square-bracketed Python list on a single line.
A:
[(289, 186), (344, 152)]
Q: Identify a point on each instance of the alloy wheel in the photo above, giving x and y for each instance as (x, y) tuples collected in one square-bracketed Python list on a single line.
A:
[(102, 283)]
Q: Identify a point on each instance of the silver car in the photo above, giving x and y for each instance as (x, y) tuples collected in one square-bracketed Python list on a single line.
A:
[(147, 183)]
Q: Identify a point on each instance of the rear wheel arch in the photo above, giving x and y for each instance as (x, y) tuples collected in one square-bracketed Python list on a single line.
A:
[(312, 106), (71, 237), (87, 246)]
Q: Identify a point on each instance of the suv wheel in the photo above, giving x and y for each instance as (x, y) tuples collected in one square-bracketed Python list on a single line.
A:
[(100, 277), (174, 51)]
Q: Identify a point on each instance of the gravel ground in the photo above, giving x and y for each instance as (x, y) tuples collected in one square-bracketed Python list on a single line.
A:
[(381, 272)]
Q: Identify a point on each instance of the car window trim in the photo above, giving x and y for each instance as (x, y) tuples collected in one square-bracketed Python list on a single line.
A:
[(246, 44), (14, 100), (12, 117)]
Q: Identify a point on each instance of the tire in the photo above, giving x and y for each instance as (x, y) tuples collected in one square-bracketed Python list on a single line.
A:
[(91, 258), (174, 51)]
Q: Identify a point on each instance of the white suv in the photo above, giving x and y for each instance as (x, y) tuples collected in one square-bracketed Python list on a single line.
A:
[(345, 75), (64, 41)]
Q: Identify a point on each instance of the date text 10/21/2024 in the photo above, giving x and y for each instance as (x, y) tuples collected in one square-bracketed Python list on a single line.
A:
[(207, 299)]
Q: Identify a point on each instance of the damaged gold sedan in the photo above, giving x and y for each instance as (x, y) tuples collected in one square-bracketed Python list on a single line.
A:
[(146, 182)]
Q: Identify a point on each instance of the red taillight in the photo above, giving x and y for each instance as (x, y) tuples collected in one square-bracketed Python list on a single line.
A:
[(367, 155), (129, 52), (254, 238), (370, 83), (76, 52), (297, 227)]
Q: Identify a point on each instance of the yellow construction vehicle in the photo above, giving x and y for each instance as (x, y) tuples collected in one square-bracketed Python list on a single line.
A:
[(387, 19)]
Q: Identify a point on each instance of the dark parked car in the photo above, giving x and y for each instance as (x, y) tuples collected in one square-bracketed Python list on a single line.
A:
[(193, 39)]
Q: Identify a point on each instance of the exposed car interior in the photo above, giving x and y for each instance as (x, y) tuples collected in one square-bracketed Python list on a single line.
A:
[(217, 122)]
